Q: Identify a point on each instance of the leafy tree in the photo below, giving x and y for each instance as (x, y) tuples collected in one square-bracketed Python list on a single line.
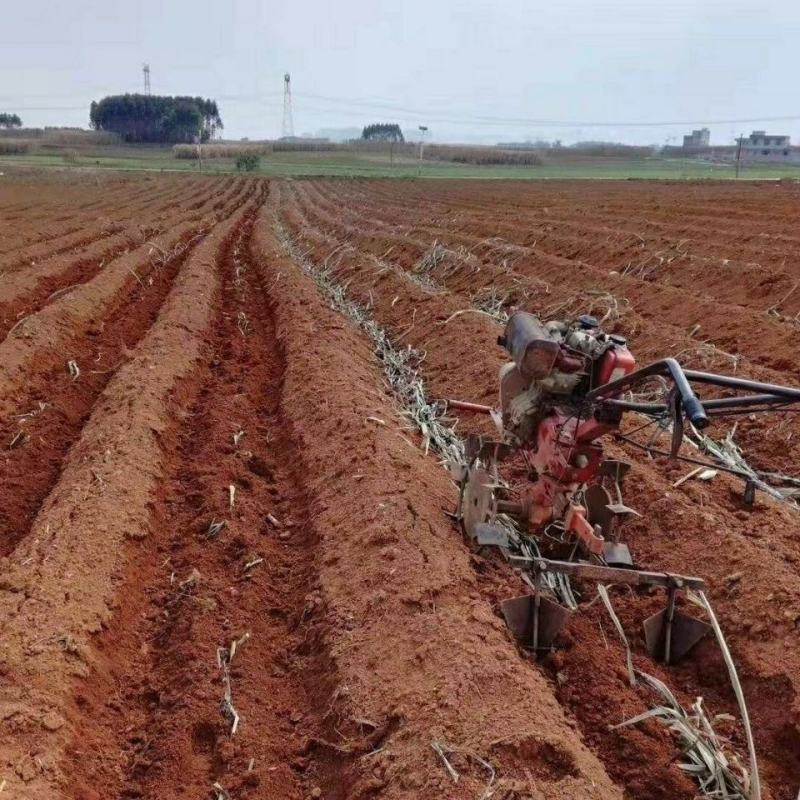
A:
[(10, 121), (383, 132), (154, 118)]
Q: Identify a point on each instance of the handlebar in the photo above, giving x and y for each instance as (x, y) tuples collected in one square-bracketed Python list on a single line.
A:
[(667, 367), (767, 394)]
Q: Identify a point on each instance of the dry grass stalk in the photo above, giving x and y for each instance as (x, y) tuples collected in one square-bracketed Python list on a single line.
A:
[(727, 452), (718, 771), (423, 280), (647, 268), (19, 439), (707, 353), (439, 750), (431, 259), (400, 365), (215, 528), (467, 311), (591, 301), (773, 309), (492, 302), (219, 791), (448, 259), (224, 661), (444, 750), (254, 562)]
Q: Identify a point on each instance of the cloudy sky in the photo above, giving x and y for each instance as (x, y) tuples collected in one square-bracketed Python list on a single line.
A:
[(472, 70)]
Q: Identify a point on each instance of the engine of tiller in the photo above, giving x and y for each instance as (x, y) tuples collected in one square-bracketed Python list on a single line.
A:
[(573, 492)]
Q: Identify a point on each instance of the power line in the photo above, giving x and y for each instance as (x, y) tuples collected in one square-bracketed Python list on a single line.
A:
[(559, 122), (415, 114), (498, 120)]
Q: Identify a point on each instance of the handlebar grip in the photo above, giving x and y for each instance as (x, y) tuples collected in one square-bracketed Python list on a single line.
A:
[(695, 411)]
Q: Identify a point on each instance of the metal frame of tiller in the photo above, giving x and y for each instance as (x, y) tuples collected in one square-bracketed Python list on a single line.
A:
[(535, 619)]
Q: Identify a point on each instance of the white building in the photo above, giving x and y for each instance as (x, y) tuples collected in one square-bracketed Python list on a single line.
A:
[(761, 146)]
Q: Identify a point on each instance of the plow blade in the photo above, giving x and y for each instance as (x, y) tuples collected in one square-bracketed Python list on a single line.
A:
[(490, 535), (520, 614), (617, 554), (670, 642)]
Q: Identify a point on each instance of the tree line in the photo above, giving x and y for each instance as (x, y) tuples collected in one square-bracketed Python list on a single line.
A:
[(10, 121), (154, 118)]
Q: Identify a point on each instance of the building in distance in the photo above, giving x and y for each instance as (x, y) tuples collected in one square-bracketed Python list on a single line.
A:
[(697, 139)]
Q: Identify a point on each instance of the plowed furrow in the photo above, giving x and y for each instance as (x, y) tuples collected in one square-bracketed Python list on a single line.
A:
[(62, 585), (726, 204), (726, 276), (97, 226), (42, 240), (50, 406), (685, 254), (250, 579), (44, 333), (50, 219), (27, 290), (391, 570)]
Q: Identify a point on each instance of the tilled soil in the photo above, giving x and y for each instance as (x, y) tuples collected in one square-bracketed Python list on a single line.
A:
[(228, 569)]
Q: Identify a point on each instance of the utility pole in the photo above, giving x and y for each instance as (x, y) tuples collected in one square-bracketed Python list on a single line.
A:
[(288, 122), (423, 129), (739, 154), (146, 72)]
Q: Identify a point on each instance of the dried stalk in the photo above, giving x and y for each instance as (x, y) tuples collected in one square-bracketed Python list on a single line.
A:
[(400, 365), (224, 660), (590, 302), (439, 750), (719, 774)]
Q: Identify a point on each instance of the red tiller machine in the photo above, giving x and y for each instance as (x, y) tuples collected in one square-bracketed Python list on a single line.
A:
[(568, 386)]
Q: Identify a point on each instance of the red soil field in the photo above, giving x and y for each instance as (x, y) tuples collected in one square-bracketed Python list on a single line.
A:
[(227, 566)]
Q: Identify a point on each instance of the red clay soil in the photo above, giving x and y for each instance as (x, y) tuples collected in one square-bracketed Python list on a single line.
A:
[(39, 341), (52, 407), (252, 578), (461, 343), (115, 603), (419, 587), (59, 583), (97, 324), (230, 467), (716, 530), (55, 216), (27, 289)]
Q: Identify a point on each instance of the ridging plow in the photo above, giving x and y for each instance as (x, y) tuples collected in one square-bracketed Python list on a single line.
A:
[(567, 389)]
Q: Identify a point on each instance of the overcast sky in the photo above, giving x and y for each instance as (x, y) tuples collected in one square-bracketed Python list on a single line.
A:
[(470, 69)]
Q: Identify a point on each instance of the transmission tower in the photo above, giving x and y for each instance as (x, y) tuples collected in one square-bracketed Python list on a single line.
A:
[(146, 71), (288, 124)]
